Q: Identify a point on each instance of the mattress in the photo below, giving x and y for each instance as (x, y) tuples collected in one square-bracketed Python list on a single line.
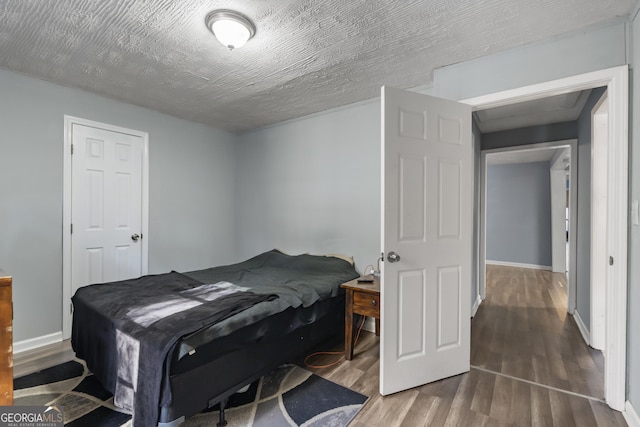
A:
[(298, 280), (287, 292)]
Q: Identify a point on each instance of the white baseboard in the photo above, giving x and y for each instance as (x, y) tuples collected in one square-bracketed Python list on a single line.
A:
[(630, 415), (476, 305), (33, 343), (370, 324), (518, 264), (586, 335)]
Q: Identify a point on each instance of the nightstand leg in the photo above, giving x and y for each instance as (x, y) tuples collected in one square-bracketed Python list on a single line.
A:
[(377, 327), (348, 326)]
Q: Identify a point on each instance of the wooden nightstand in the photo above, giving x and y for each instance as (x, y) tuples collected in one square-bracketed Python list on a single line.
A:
[(362, 298)]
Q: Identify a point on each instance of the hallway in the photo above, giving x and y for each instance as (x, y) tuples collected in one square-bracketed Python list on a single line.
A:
[(523, 330)]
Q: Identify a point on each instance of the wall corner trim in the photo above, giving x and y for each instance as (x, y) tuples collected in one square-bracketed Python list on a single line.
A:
[(37, 342), (630, 415), (586, 336)]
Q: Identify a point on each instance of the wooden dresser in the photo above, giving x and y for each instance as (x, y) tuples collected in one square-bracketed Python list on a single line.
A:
[(6, 341)]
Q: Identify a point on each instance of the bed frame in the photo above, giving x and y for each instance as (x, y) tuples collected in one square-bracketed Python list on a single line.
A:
[(246, 355)]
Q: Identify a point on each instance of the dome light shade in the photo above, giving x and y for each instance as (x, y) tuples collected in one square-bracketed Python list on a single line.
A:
[(231, 28)]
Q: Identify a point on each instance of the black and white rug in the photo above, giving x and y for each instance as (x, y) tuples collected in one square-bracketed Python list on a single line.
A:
[(288, 396)]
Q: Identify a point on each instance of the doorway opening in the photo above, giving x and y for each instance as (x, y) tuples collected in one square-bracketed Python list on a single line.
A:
[(616, 82), (537, 233)]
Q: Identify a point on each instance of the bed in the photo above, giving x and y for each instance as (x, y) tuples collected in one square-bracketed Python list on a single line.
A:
[(169, 346)]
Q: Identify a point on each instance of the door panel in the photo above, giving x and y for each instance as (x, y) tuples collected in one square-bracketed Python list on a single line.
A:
[(412, 209), (106, 208), (449, 200), (411, 289), (448, 307), (427, 219)]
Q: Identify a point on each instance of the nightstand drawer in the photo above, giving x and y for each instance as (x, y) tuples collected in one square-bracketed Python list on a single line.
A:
[(366, 303)]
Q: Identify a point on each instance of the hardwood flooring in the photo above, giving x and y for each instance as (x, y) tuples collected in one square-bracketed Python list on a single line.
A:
[(530, 366), (44, 357), (522, 329)]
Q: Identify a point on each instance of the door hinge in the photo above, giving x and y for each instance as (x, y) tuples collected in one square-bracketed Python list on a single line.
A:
[(72, 149), (71, 228)]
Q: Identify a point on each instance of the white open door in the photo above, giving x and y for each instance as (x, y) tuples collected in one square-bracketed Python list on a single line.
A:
[(426, 239)]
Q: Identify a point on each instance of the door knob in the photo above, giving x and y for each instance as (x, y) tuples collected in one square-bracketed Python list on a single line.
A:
[(393, 257), (135, 237)]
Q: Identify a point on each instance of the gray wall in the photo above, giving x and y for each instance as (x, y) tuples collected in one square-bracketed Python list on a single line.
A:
[(530, 135), (583, 226), (589, 50), (190, 201), (519, 213), (633, 333), (312, 185)]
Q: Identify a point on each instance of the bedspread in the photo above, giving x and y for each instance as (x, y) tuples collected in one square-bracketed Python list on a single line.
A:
[(143, 319)]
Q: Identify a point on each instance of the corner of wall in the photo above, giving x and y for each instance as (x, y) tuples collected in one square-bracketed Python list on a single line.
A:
[(630, 415), (584, 331)]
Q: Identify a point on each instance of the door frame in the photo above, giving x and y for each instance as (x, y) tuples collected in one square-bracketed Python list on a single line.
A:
[(616, 79), (572, 144), (599, 142), (559, 208), (69, 121)]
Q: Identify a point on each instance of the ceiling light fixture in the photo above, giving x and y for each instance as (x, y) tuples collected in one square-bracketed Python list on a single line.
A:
[(231, 28)]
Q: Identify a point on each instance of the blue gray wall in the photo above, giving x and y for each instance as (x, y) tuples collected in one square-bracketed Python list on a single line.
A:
[(192, 174), (312, 185), (518, 207), (563, 56)]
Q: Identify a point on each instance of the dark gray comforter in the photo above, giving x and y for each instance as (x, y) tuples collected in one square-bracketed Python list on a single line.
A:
[(138, 321), (298, 280), (126, 330)]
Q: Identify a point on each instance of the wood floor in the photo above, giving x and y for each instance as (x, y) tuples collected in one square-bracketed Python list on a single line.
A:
[(530, 366)]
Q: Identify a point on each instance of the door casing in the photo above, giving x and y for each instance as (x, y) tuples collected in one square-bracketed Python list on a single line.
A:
[(69, 121), (599, 142), (616, 80)]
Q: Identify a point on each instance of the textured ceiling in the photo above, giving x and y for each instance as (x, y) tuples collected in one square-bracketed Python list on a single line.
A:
[(306, 56)]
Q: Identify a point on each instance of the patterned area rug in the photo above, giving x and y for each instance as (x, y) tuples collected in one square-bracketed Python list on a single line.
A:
[(288, 396)]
